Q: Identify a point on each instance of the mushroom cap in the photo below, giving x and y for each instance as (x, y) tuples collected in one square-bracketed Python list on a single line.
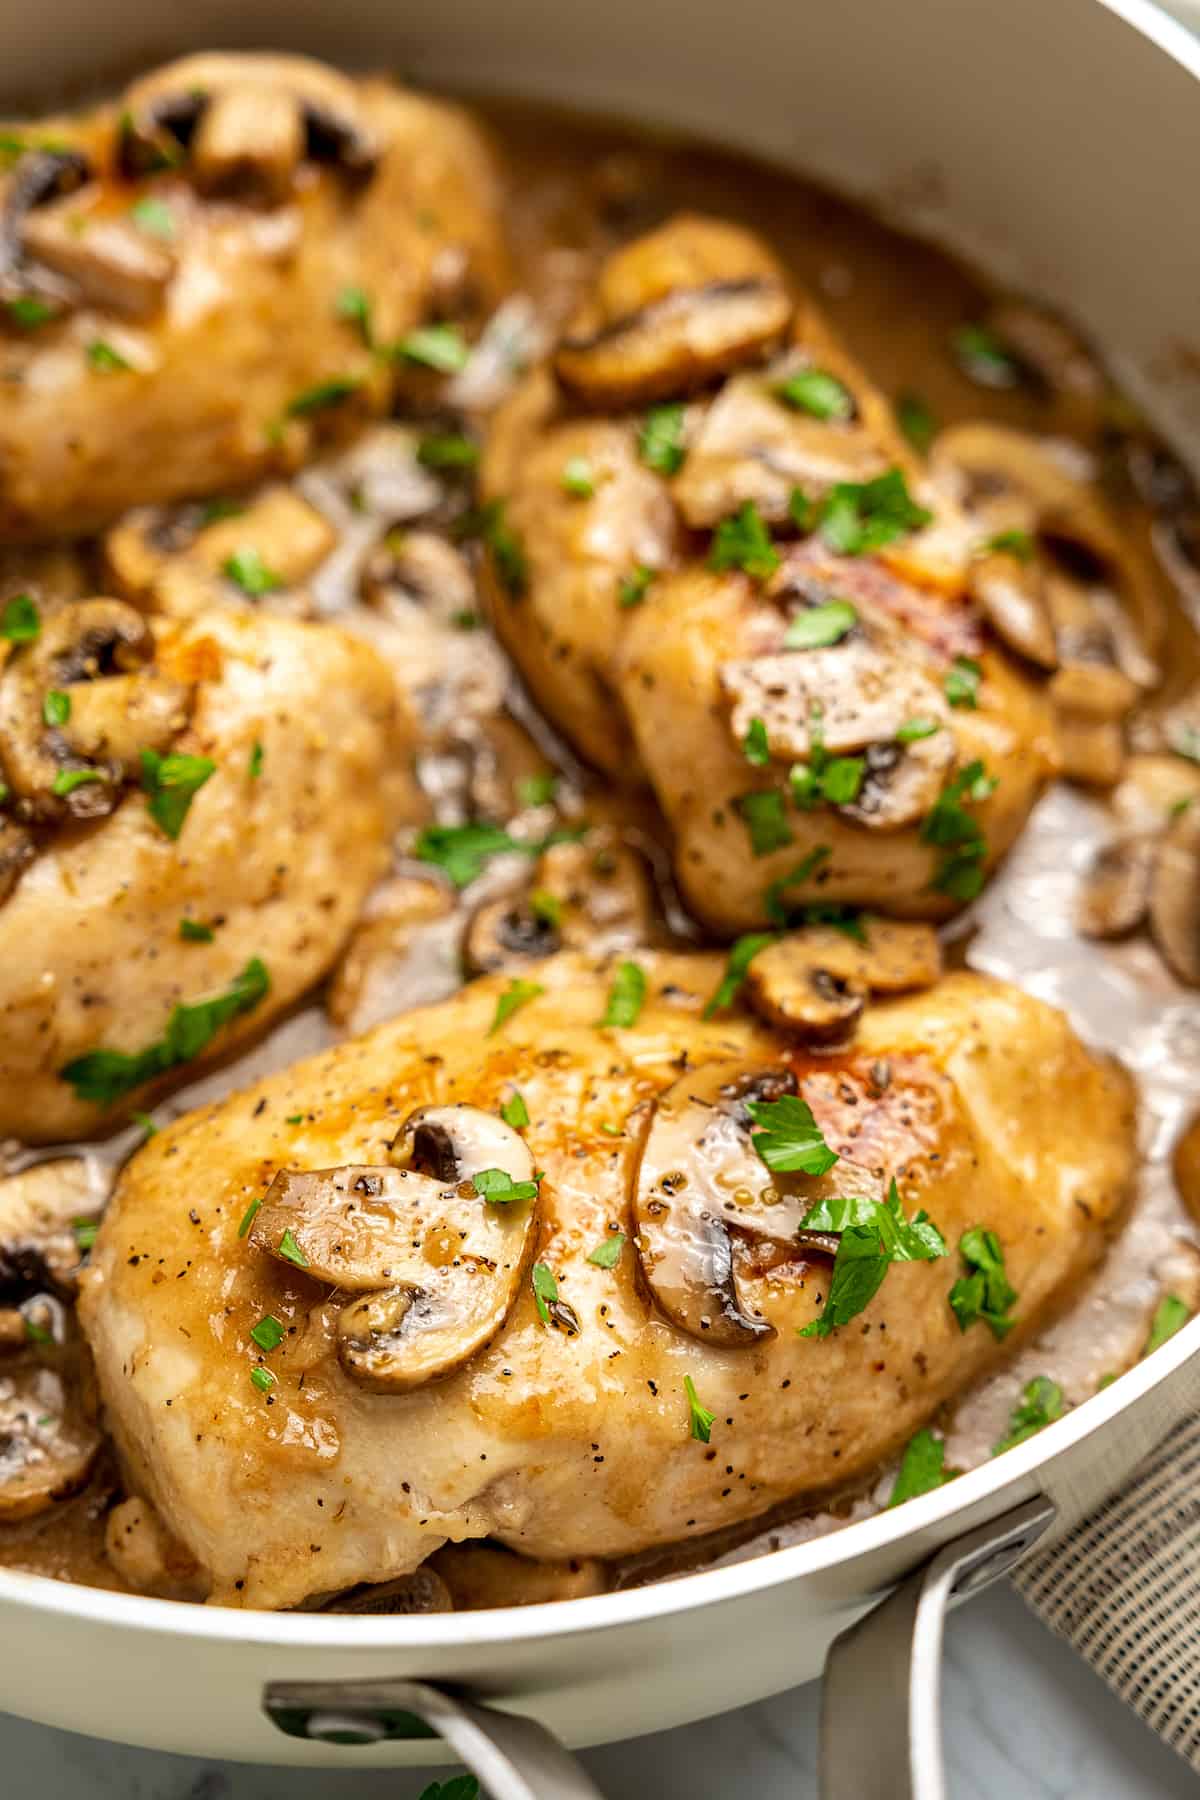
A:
[(46, 1450), (1116, 889), (815, 982), (38, 1209), (699, 1182), (1175, 896), (1011, 595)]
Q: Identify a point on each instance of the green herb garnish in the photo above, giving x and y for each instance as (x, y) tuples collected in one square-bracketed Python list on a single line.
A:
[(263, 1379), (537, 790), (1008, 543), (755, 747), (765, 820), (247, 570), (324, 395), (872, 1236), (291, 1251), (577, 478), (773, 900), (1040, 1405), (248, 1216), (498, 1188), (817, 392), (194, 931), (913, 730), (354, 306), (607, 1253), (171, 784), (922, 1468), (741, 955), (254, 766), (985, 1293), (700, 1420), (154, 217), (1169, 1316), (86, 1231), (626, 996), (463, 851), (916, 421), (514, 1111), (459, 1787), (818, 626), (19, 620), (545, 1290), (632, 589), (29, 312), (103, 357), (507, 551), (985, 357), (438, 347), (268, 1334), (858, 517), (518, 993), (743, 542), (67, 780), (448, 450), (56, 706), (660, 440), (789, 1138), (961, 685), (957, 833)]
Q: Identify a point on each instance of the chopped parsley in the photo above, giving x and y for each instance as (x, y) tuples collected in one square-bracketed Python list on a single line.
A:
[(19, 620), (545, 1290), (872, 1236), (171, 784), (626, 996), (922, 1468), (607, 1253), (86, 1232), (842, 779), (818, 626), (194, 931), (817, 392), (916, 421), (957, 833), (741, 955), (1170, 1314), (67, 780), (985, 1293), (439, 347), (149, 1128), (985, 357), (218, 508), (546, 907), (498, 1188), (268, 1334), (462, 851), (846, 919), (1040, 1404), (247, 570), (1183, 741), (354, 306), (743, 542), (961, 685), (765, 820), (517, 994), (263, 1379), (773, 900), (578, 479), (37, 1333), (254, 767), (660, 439), (448, 450), (56, 706), (153, 217), (324, 395), (514, 1111), (508, 554), (700, 1420), (248, 1216), (537, 790), (106, 1076), (913, 730), (755, 747), (291, 1251), (1008, 543), (103, 357), (789, 1138), (294, 1119), (857, 517), (633, 588), (29, 312)]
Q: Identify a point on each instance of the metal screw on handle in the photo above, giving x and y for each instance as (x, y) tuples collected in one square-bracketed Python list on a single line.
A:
[(881, 1703), (514, 1758)]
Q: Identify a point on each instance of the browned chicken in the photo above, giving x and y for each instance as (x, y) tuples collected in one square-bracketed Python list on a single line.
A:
[(558, 1264), (192, 816), (722, 570), (240, 254)]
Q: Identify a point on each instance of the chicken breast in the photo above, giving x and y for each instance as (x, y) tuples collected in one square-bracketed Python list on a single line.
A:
[(201, 279), (191, 840), (318, 1378)]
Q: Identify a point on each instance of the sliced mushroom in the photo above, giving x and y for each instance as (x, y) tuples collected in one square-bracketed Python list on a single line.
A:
[(109, 263), (39, 1209), (100, 653), (1055, 355), (420, 567), (815, 982), (16, 853), (404, 953), (39, 177), (1010, 592), (480, 1576), (437, 1266), (1175, 896), (290, 536), (674, 310), (423, 1591), (700, 1183), (593, 895), (246, 119), (1116, 889), (46, 1452)]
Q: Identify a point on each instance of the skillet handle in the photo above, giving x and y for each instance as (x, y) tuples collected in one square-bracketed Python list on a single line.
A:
[(514, 1758), (881, 1701)]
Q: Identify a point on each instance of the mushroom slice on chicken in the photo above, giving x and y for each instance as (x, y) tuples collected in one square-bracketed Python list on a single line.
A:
[(78, 706), (595, 894), (671, 312), (815, 982)]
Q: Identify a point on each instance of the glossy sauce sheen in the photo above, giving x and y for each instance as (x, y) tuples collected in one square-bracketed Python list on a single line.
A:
[(896, 304)]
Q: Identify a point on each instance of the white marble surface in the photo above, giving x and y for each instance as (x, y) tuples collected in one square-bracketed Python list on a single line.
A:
[(1025, 1720)]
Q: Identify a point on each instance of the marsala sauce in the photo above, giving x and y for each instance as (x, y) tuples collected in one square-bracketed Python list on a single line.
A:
[(576, 188)]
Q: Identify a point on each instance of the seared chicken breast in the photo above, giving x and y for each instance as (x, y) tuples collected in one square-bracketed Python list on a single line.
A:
[(192, 817), (557, 1264), (238, 256)]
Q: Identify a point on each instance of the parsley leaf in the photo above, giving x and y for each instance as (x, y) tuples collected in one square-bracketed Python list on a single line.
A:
[(448, 450), (626, 996), (765, 820), (508, 554), (247, 570), (817, 392), (461, 851), (818, 626), (755, 747), (986, 1292), (354, 306), (633, 588), (700, 1420), (254, 766), (514, 1111), (85, 1231), (577, 478), (857, 517), (913, 730), (438, 347), (842, 779), (104, 358), (743, 542), (660, 440), (153, 217), (1183, 741), (19, 621), (194, 931), (984, 356), (498, 1188), (1169, 1316), (263, 1379), (872, 1237), (922, 1468), (950, 827), (105, 1076), (268, 1334), (1040, 1405), (741, 955), (916, 421), (29, 312), (171, 783), (56, 706), (607, 1253), (1009, 543), (290, 1249), (545, 1290), (67, 780), (518, 993), (961, 684), (789, 1138), (773, 900), (323, 395)]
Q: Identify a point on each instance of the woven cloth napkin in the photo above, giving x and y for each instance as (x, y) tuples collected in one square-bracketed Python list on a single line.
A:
[(1124, 1590)]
